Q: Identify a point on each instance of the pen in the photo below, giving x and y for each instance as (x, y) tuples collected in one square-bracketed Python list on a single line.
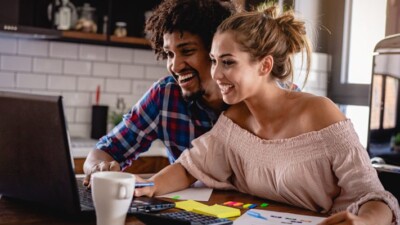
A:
[(147, 184), (256, 215)]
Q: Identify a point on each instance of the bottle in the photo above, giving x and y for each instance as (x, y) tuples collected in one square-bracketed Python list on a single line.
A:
[(65, 16), (105, 25)]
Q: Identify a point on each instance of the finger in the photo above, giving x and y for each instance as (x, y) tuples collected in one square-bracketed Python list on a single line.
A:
[(114, 166), (104, 166), (86, 180), (144, 191), (94, 169)]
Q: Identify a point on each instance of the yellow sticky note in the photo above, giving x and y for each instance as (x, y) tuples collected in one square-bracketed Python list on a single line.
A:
[(188, 205), (219, 211)]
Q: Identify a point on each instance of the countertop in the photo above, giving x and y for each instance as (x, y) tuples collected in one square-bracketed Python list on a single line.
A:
[(80, 148)]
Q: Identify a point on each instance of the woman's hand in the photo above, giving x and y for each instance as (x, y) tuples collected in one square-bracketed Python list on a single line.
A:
[(144, 191), (344, 218), (370, 213)]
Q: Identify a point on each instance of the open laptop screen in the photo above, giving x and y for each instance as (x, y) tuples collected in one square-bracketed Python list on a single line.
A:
[(35, 161)]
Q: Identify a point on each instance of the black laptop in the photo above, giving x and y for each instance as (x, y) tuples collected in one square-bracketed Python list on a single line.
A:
[(35, 160)]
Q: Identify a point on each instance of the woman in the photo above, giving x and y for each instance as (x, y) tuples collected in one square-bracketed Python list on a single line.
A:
[(291, 147)]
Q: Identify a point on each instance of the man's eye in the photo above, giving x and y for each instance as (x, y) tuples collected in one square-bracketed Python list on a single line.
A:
[(213, 61), (187, 51)]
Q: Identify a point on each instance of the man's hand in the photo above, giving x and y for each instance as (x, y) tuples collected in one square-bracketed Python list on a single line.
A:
[(98, 160), (101, 166)]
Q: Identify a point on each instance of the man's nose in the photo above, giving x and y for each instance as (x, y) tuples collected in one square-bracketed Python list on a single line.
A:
[(177, 64)]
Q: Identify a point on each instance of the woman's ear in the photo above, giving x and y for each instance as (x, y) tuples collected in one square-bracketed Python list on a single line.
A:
[(266, 64)]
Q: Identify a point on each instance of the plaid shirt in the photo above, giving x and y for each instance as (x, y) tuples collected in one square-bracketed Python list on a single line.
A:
[(163, 114)]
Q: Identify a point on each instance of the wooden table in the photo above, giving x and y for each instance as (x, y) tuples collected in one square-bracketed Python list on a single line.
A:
[(13, 212)]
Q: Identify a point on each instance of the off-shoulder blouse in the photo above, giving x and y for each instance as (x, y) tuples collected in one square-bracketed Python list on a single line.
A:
[(325, 171)]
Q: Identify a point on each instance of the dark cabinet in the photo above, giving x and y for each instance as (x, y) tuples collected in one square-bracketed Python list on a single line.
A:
[(17, 16)]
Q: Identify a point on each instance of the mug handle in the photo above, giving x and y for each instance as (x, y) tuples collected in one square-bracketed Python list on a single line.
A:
[(122, 191)]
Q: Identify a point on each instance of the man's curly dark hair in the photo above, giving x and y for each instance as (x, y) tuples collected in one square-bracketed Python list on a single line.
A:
[(199, 17)]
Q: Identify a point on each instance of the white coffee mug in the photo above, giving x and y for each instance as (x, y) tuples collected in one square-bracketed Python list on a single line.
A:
[(112, 194)]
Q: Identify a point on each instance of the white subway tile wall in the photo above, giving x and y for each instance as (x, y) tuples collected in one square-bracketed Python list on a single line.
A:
[(75, 70)]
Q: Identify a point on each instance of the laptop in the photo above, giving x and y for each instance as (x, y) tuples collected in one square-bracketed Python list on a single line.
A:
[(35, 160)]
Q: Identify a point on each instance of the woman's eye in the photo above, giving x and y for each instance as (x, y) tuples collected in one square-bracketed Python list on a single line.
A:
[(168, 54), (228, 62)]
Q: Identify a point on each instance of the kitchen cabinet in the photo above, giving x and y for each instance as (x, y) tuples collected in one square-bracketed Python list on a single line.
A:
[(22, 16)]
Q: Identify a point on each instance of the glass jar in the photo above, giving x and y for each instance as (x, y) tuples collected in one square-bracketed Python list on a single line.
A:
[(87, 19), (120, 29)]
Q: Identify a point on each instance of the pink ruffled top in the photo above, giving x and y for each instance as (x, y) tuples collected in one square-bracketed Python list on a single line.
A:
[(325, 171)]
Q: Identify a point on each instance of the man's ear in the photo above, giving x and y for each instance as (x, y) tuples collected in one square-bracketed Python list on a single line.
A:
[(266, 64)]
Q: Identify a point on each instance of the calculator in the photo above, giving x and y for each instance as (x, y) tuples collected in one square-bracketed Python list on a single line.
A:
[(180, 218)]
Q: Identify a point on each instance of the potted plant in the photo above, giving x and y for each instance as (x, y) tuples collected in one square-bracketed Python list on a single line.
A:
[(396, 142)]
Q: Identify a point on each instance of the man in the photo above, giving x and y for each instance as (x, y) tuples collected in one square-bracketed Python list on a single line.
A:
[(177, 108)]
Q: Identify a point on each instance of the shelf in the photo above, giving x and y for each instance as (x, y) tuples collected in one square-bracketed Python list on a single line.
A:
[(91, 38), (83, 35), (130, 40)]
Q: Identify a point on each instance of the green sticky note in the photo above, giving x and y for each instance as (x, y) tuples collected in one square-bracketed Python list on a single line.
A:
[(264, 205), (176, 197)]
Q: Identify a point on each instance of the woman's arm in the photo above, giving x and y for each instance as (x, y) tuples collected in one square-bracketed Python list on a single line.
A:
[(370, 213), (172, 178)]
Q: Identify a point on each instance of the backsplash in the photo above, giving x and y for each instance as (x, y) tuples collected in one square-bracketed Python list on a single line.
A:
[(75, 70)]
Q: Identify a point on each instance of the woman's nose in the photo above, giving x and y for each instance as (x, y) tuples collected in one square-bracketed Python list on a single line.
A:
[(215, 72)]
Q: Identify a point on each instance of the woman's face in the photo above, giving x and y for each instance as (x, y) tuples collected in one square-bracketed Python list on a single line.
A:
[(236, 75)]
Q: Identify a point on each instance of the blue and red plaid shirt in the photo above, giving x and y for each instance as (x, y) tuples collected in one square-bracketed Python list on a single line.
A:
[(163, 114)]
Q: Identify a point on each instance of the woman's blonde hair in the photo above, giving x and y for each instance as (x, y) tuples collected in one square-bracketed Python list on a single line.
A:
[(267, 33)]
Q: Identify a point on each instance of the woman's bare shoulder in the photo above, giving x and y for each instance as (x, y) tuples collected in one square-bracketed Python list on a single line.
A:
[(320, 112)]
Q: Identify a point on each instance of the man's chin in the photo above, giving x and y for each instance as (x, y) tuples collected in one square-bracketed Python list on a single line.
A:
[(192, 96)]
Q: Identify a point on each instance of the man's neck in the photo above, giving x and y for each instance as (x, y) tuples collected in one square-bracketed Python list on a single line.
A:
[(216, 104)]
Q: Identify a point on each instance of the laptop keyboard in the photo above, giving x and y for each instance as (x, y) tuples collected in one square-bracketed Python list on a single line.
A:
[(139, 204), (85, 196), (181, 218)]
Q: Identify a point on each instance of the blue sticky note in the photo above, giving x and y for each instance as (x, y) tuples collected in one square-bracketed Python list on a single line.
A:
[(252, 206)]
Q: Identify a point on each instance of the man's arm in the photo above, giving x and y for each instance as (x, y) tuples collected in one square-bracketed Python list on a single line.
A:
[(98, 160), (130, 137)]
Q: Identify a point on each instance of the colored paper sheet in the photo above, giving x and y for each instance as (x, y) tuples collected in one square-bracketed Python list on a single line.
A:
[(198, 194), (274, 218)]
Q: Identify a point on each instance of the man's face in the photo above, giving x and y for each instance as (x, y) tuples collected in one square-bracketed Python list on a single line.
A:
[(188, 61)]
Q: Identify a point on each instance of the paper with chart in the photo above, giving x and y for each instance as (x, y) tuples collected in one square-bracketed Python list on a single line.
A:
[(196, 193), (276, 218)]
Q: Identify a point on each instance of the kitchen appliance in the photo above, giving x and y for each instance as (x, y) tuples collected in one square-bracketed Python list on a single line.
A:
[(384, 118)]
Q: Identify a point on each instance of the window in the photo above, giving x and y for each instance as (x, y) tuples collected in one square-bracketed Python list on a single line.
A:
[(363, 26)]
